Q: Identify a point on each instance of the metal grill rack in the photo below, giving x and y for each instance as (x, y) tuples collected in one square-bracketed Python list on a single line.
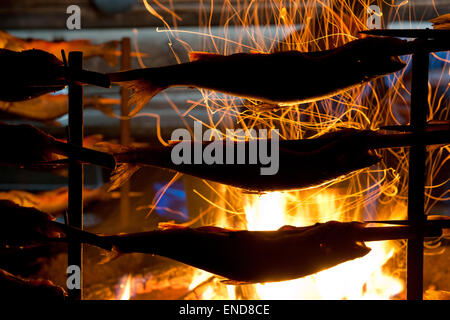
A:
[(425, 43), (76, 172), (417, 153)]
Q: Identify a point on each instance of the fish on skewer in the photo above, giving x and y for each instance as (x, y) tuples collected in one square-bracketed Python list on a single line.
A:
[(310, 163), (301, 163), (17, 288), (26, 226), (107, 51), (243, 256), (32, 73), (49, 107), (282, 78), (238, 255), (29, 74), (28, 146)]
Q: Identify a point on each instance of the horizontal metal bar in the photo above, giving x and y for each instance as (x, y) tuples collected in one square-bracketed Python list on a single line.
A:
[(82, 76), (87, 155), (442, 223), (409, 33)]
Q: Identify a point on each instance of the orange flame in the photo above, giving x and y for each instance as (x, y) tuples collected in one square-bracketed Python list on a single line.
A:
[(126, 289), (376, 192)]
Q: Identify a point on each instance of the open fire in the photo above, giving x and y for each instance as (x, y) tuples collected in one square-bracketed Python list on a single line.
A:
[(378, 192), (353, 130), (364, 278)]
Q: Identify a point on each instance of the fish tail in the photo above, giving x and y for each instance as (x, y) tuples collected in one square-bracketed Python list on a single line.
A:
[(104, 105), (122, 171), (143, 90), (121, 174), (109, 52), (82, 236), (110, 255)]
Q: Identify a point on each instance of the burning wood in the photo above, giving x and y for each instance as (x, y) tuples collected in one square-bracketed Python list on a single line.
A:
[(49, 107), (320, 74)]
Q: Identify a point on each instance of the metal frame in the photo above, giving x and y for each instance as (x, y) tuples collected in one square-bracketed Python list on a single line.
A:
[(416, 184), (76, 172)]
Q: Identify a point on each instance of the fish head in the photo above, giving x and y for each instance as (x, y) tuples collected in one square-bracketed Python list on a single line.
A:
[(356, 160), (25, 223), (350, 151), (380, 66), (338, 242), (377, 56), (26, 144)]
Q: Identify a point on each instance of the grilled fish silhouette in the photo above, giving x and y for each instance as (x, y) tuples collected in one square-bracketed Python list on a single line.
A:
[(27, 146), (244, 256), (32, 73), (29, 74), (238, 255), (302, 163), (288, 77), (16, 288), (25, 226)]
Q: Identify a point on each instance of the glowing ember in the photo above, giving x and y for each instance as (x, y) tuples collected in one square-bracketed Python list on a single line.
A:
[(358, 279), (363, 278), (378, 192), (125, 289), (199, 277)]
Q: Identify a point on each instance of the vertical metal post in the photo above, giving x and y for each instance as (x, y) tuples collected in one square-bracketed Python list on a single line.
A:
[(416, 184), (75, 209), (125, 133)]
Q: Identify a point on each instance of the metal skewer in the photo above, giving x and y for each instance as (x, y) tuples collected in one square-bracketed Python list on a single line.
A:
[(409, 33)]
